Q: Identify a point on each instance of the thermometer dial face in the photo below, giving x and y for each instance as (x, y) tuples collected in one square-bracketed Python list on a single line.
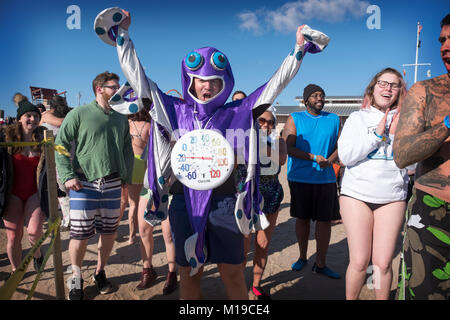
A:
[(202, 159)]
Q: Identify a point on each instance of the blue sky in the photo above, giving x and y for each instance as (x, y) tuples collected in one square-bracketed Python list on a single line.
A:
[(39, 50)]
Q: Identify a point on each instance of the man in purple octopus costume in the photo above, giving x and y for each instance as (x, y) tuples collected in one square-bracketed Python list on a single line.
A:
[(208, 225)]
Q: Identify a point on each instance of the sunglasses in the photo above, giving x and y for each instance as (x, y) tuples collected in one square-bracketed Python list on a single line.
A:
[(112, 87), (263, 121)]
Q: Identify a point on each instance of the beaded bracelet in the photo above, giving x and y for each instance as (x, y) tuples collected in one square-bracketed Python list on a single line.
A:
[(315, 158), (381, 137)]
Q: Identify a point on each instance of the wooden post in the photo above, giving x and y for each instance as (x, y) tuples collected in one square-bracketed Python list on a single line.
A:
[(53, 207)]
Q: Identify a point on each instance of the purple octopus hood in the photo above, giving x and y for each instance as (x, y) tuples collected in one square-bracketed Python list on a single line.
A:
[(206, 63)]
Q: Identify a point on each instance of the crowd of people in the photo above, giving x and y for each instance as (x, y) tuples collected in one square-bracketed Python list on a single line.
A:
[(118, 160)]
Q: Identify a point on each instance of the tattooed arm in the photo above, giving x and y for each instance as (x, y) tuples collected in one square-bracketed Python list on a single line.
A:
[(416, 139), (422, 136)]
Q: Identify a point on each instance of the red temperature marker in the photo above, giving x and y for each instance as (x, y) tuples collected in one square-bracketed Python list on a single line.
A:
[(202, 158)]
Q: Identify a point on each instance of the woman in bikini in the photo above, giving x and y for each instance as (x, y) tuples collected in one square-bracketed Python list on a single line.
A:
[(22, 208), (139, 132)]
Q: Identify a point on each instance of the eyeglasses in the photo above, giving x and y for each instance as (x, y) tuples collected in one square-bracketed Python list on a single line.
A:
[(383, 84), (112, 87), (263, 121)]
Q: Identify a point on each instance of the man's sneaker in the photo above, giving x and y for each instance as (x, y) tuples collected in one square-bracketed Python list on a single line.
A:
[(76, 289), (299, 264), (103, 285), (260, 294), (37, 262), (325, 271)]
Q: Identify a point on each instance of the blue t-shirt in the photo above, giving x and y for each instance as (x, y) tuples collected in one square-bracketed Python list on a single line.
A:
[(317, 135)]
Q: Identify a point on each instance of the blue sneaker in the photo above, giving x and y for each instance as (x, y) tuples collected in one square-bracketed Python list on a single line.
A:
[(325, 271), (299, 264)]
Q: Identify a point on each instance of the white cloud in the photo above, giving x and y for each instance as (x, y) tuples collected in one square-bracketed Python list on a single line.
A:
[(290, 15), (249, 21)]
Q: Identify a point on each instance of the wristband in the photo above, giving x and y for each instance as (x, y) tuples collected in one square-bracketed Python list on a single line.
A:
[(375, 133), (447, 122), (315, 158)]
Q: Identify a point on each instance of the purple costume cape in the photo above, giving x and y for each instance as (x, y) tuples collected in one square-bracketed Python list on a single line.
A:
[(171, 117)]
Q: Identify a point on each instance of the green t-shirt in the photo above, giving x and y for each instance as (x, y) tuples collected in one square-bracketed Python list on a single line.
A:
[(102, 144)]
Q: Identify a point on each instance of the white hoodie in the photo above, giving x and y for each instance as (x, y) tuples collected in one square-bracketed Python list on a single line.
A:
[(371, 174)]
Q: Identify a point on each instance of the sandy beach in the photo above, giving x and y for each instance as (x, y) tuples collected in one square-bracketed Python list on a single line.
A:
[(125, 265)]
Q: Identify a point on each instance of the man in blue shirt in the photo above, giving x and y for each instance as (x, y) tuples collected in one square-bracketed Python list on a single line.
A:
[(311, 138)]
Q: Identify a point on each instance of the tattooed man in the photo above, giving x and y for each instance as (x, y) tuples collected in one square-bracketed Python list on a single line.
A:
[(423, 136)]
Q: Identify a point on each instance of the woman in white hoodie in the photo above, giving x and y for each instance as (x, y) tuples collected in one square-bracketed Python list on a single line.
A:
[(374, 189)]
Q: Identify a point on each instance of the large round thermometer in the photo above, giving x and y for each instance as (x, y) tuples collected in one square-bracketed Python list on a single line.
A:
[(202, 159)]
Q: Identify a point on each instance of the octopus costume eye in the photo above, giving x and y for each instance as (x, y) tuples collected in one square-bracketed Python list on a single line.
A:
[(194, 60), (219, 61)]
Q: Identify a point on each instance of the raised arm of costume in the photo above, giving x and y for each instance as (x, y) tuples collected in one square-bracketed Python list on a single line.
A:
[(356, 141), (314, 42), (131, 66), (248, 201), (142, 86), (280, 79)]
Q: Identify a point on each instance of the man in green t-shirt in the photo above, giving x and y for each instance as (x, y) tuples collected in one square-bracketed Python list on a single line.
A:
[(102, 162)]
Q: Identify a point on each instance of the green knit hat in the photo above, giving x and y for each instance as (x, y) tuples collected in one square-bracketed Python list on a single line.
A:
[(26, 106)]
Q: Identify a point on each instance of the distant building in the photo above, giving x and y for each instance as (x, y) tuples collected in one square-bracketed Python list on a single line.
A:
[(43, 95), (340, 105)]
